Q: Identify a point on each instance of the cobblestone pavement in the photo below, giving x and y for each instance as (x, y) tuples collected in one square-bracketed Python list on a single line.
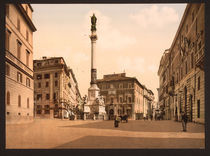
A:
[(55, 133)]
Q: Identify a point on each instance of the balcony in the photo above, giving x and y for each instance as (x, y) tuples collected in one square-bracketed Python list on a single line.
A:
[(199, 58)]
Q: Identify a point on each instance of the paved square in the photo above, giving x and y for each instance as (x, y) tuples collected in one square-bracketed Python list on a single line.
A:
[(47, 133)]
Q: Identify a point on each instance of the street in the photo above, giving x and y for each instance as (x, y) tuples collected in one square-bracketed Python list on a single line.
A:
[(68, 134)]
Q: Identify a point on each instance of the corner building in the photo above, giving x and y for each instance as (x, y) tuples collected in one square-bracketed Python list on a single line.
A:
[(182, 80), (56, 92), (125, 95), (19, 89)]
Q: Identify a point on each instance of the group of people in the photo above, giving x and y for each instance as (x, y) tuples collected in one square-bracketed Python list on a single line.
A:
[(183, 115)]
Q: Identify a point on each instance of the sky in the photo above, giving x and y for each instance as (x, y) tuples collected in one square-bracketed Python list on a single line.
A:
[(131, 38)]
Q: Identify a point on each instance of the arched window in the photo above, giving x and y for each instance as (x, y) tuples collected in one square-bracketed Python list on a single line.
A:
[(27, 102), (8, 98), (19, 101)]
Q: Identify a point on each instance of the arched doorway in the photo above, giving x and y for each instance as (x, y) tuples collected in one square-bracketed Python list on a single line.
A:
[(111, 114), (191, 107)]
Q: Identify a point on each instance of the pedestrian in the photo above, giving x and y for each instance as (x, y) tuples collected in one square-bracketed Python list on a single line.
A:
[(184, 121), (116, 121)]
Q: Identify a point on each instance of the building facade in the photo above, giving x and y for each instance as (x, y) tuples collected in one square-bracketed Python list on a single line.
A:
[(55, 88), (19, 63), (125, 95), (182, 81)]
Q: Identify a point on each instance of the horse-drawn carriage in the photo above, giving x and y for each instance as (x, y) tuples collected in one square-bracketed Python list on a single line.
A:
[(124, 118)]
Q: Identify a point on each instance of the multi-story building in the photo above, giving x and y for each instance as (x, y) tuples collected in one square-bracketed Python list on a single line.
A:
[(185, 78), (55, 88), (148, 102), (124, 95), (164, 72), (19, 63)]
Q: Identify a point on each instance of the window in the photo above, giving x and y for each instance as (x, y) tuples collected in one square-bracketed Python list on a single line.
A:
[(46, 76), (199, 83), (126, 98), (27, 35), (27, 57), (19, 101), (47, 84), (56, 83), (27, 82), (56, 74), (199, 45), (181, 73), (19, 77), (7, 10), (19, 44), (54, 96), (27, 102), (7, 70), (7, 39), (47, 109), (198, 108), (39, 77), (192, 61), (69, 84), (39, 64), (18, 24), (112, 100), (177, 77), (39, 85), (129, 85), (39, 109), (186, 67), (7, 113), (196, 26), (129, 99), (121, 100), (39, 97), (125, 85), (8, 98), (47, 96), (19, 113), (56, 61), (39, 112)]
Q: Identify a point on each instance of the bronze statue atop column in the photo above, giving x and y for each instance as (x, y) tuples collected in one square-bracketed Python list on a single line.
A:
[(93, 22)]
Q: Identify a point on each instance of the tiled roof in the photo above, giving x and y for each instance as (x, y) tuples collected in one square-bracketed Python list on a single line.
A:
[(118, 78), (114, 79)]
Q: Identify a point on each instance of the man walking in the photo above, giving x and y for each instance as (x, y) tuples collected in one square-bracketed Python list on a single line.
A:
[(184, 121)]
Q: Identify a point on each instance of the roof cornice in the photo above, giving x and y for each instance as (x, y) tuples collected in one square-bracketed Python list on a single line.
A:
[(26, 17)]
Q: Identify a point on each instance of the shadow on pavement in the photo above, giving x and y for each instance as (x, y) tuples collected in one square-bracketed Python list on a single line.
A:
[(144, 126), (131, 142)]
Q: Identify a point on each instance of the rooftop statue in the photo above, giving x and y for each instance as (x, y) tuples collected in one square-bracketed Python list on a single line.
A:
[(93, 22)]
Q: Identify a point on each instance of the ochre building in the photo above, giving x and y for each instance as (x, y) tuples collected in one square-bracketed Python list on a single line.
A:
[(56, 90), (125, 95), (181, 69), (19, 63)]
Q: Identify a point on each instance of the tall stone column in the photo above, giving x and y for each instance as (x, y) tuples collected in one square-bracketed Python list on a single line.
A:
[(93, 91)]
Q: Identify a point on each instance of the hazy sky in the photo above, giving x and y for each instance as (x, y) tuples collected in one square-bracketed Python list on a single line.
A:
[(131, 38)]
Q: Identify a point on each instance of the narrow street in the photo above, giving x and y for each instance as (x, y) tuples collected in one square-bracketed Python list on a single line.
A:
[(46, 133)]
